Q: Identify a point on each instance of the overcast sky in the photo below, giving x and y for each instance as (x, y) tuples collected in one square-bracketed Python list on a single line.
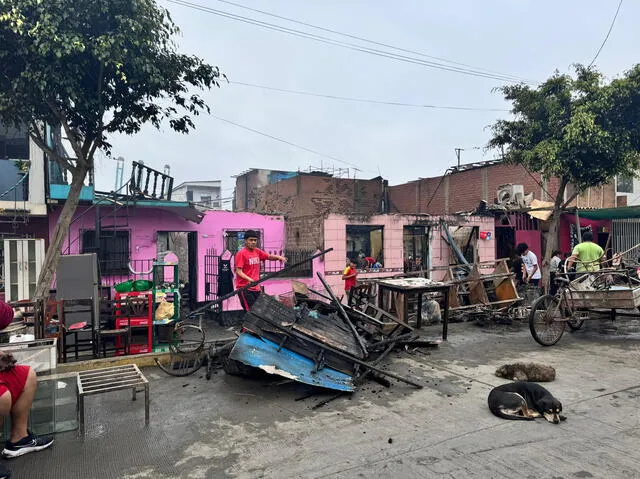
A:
[(528, 39)]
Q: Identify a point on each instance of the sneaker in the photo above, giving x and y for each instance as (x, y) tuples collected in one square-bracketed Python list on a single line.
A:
[(5, 473), (28, 444)]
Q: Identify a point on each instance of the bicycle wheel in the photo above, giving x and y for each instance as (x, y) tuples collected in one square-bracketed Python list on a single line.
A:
[(545, 320), (186, 338)]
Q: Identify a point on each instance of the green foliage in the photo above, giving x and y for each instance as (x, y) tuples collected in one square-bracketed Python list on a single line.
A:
[(95, 67), (580, 129)]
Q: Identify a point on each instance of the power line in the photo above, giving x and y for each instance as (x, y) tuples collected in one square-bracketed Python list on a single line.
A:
[(349, 46), (354, 166), (362, 39), (365, 100), (608, 33)]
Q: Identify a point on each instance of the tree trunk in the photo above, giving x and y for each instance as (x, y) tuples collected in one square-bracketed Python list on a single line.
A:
[(551, 243), (60, 233)]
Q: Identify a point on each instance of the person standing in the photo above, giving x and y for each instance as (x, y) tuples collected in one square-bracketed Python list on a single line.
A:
[(531, 273), (247, 268), (349, 275), (554, 269), (587, 255)]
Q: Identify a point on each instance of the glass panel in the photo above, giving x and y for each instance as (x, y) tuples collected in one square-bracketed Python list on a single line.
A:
[(31, 264), (13, 263)]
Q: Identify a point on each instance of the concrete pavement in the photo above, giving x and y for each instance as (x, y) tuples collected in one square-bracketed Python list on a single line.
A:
[(236, 427)]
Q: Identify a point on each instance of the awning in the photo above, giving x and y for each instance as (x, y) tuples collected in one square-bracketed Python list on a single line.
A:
[(180, 208), (611, 213)]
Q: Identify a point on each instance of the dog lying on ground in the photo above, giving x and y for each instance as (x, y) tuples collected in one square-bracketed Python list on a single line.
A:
[(524, 401), (527, 372)]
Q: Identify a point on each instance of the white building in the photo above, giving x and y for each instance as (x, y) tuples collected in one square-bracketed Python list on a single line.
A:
[(206, 194)]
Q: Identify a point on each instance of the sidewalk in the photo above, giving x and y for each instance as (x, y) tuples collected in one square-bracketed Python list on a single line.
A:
[(236, 427)]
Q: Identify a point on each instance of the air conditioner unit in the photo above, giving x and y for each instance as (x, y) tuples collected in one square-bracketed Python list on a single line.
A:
[(510, 194)]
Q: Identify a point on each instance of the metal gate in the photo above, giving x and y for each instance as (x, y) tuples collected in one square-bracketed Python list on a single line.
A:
[(625, 235), (211, 261)]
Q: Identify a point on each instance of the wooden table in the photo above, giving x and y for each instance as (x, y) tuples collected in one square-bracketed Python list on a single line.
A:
[(396, 293)]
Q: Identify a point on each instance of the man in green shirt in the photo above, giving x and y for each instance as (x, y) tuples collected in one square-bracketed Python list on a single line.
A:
[(587, 255)]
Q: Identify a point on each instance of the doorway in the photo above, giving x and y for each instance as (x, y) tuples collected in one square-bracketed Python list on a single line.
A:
[(184, 244)]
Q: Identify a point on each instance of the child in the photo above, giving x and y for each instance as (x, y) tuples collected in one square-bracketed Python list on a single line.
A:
[(349, 275)]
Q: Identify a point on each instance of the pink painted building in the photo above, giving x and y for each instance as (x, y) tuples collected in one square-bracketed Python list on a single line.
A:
[(396, 240), (131, 240)]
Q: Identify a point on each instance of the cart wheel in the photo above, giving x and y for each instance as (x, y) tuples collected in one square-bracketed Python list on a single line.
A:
[(543, 320)]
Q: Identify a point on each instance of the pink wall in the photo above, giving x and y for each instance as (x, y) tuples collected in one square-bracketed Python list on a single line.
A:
[(143, 223), (335, 237), (565, 224)]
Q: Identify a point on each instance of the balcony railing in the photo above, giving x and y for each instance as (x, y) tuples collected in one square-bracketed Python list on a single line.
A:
[(148, 182)]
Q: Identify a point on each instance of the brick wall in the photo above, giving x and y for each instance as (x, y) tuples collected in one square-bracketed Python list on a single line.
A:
[(308, 195), (305, 233), (463, 190)]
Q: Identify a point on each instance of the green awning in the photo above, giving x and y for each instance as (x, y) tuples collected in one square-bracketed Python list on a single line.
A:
[(624, 212)]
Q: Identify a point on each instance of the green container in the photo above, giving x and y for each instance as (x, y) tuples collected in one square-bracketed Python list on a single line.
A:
[(125, 287), (142, 285)]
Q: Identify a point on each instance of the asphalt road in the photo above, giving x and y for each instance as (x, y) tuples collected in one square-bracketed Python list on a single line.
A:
[(236, 427)]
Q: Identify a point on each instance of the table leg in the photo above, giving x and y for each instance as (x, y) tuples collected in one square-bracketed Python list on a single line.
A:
[(133, 396), (146, 404), (419, 312), (445, 319), (81, 414)]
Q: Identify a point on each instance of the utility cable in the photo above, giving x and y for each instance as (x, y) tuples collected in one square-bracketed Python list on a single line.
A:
[(608, 33), (349, 46), (354, 166), (362, 39), (366, 100)]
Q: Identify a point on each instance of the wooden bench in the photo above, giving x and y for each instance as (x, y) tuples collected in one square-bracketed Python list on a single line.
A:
[(97, 381)]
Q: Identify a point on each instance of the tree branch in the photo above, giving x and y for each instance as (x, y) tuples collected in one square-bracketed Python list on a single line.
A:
[(65, 125), (34, 133)]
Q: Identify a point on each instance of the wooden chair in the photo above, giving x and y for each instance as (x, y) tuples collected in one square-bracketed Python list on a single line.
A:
[(109, 338)]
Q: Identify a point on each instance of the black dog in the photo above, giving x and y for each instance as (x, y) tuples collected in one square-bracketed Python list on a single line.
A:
[(524, 400)]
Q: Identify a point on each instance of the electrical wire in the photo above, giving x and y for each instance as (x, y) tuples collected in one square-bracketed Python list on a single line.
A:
[(354, 166), (608, 33), (365, 100), (362, 39), (350, 46)]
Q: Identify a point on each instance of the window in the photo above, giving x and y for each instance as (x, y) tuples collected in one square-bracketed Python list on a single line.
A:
[(14, 143), (415, 248), (365, 245), (189, 195), (205, 200), (14, 180), (234, 241), (625, 184), (112, 249)]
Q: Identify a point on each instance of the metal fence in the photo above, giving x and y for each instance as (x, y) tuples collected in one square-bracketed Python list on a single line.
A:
[(305, 270), (142, 267), (626, 235)]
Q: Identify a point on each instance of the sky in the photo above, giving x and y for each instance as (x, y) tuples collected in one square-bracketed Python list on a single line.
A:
[(526, 39)]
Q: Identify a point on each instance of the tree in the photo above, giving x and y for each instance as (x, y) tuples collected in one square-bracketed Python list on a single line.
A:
[(580, 130), (93, 68)]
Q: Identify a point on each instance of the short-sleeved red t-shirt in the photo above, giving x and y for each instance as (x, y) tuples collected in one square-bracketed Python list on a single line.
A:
[(349, 282), (249, 262)]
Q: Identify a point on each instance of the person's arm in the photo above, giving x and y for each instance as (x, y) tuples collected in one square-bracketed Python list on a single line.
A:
[(275, 257), (351, 274), (570, 260), (244, 276)]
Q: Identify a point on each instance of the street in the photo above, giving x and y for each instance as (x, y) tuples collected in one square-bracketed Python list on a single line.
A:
[(236, 427)]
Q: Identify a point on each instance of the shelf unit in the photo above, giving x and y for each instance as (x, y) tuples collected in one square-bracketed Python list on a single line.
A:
[(134, 310)]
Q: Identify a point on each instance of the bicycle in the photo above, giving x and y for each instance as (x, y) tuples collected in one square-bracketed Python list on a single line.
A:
[(570, 306)]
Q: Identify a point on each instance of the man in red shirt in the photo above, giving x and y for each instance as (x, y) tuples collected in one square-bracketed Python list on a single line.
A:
[(247, 267)]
